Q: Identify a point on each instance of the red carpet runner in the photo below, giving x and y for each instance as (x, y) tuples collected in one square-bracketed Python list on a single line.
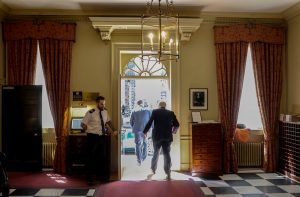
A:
[(45, 180), (149, 189)]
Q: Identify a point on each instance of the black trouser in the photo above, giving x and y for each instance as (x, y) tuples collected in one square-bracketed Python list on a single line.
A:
[(98, 156), (165, 145)]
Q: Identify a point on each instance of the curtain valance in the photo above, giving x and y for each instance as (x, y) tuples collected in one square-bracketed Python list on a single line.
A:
[(41, 30)]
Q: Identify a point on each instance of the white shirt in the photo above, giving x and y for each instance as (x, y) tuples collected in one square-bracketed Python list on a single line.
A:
[(93, 121)]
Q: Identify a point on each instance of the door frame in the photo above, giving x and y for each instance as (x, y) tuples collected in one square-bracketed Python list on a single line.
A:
[(115, 93)]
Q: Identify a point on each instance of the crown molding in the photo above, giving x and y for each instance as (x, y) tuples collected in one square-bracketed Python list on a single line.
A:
[(291, 12), (106, 25)]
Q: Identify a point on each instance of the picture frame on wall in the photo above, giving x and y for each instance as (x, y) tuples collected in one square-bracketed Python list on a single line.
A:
[(198, 98)]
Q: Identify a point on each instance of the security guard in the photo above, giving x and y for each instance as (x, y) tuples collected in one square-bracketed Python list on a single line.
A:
[(96, 123)]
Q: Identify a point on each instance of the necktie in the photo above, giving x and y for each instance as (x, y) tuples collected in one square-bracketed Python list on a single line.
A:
[(102, 123)]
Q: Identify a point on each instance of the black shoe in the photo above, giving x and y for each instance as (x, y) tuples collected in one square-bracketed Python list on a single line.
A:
[(168, 176), (153, 171)]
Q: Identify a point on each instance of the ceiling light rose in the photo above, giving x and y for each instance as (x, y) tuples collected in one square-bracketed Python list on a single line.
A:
[(160, 31)]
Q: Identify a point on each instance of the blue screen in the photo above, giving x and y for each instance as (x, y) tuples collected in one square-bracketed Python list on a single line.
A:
[(75, 124)]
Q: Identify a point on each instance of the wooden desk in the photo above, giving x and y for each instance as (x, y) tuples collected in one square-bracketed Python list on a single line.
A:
[(206, 148), (76, 152)]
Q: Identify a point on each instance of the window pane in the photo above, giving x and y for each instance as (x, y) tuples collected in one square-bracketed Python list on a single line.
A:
[(249, 112), (47, 119)]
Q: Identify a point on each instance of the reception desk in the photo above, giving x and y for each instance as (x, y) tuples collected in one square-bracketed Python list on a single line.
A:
[(76, 154)]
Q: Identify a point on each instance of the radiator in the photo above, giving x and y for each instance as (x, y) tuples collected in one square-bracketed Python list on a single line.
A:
[(48, 154), (249, 154)]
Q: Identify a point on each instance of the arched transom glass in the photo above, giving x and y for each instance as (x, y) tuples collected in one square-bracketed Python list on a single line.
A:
[(147, 68)]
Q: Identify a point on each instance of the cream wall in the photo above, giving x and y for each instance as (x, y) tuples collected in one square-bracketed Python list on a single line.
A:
[(90, 71), (197, 70), (293, 68)]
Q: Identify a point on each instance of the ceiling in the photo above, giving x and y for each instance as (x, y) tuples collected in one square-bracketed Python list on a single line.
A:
[(268, 6)]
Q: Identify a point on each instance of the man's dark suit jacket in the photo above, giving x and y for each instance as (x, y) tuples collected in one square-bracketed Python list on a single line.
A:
[(164, 121)]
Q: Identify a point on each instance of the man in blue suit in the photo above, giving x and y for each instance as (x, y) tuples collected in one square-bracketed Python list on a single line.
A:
[(139, 117), (165, 124)]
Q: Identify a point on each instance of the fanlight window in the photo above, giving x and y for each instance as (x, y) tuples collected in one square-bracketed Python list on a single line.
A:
[(149, 67)]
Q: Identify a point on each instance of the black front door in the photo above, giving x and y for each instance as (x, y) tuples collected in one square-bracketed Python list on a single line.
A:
[(22, 126)]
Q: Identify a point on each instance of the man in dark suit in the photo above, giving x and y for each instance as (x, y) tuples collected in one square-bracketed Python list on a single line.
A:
[(165, 124)]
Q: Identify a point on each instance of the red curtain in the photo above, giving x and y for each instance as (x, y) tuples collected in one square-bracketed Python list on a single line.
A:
[(267, 66), (55, 41), (267, 42), (231, 61), (56, 59), (21, 60)]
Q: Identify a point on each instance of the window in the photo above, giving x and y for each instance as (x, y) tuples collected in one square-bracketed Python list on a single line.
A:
[(149, 67), (47, 119), (249, 112)]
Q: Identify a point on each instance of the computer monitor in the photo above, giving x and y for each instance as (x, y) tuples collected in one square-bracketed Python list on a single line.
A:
[(75, 123)]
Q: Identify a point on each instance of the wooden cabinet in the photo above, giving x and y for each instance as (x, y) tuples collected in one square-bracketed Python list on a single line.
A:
[(76, 152), (206, 148), (289, 149)]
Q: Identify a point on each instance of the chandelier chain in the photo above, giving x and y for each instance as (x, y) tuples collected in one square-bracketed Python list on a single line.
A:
[(167, 9)]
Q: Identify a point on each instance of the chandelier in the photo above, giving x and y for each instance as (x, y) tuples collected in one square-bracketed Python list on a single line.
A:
[(160, 31)]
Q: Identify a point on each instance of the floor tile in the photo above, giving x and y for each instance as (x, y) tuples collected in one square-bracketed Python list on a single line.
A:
[(200, 183), (270, 189), (297, 194), (24, 192), (284, 181), (206, 191), (253, 195), (290, 188), (279, 195), (230, 177), (75, 192), (51, 196), (216, 184), (249, 176), (91, 192), (270, 176), (223, 190), (228, 195), (50, 192), (247, 190), (11, 190), (210, 177), (237, 183), (259, 182)]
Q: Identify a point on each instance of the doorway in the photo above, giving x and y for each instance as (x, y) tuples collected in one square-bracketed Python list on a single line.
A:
[(147, 81)]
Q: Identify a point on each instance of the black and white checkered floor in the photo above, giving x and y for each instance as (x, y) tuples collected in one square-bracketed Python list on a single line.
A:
[(52, 192), (242, 184), (249, 184)]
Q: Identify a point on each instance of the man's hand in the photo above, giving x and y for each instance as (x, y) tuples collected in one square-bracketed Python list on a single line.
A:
[(83, 126), (115, 133), (174, 130)]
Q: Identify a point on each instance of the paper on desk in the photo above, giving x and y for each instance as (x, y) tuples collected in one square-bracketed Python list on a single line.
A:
[(196, 117)]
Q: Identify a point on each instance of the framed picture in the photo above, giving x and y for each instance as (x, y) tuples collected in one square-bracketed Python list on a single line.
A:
[(198, 98)]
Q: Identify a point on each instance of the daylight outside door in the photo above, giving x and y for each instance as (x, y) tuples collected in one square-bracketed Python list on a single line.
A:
[(147, 81)]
